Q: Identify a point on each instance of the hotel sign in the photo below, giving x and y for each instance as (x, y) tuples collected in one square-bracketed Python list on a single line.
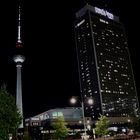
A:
[(104, 13)]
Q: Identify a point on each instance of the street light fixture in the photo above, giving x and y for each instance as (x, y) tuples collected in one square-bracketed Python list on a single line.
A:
[(90, 101), (73, 100)]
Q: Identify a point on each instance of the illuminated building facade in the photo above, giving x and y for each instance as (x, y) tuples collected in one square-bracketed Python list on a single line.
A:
[(72, 116), (105, 70)]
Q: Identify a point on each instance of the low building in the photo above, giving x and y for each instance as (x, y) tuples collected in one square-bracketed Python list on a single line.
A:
[(72, 116)]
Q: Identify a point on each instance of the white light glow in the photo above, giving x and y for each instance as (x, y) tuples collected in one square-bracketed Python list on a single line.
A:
[(19, 58), (90, 101), (88, 127), (81, 22), (73, 100)]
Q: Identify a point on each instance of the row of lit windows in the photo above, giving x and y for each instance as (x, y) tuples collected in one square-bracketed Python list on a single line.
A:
[(111, 67), (118, 101), (109, 75), (111, 49), (116, 84), (106, 35), (112, 79), (115, 62), (114, 92), (119, 104), (120, 114)]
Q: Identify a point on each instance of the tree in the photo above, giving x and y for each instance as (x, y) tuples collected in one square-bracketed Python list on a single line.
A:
[(136, 124), (101, 126), (26, 136), (61, 131), (10, 117)]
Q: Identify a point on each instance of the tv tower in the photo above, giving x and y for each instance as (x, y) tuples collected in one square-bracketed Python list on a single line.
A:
[(19, 59)]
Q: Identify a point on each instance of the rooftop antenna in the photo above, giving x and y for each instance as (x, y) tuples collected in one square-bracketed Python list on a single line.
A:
[(19, 42), (19, 26)]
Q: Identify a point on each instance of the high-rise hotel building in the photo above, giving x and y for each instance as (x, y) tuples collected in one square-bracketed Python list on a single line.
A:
[(105, 70)]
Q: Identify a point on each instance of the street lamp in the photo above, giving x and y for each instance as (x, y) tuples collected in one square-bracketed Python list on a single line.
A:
[(73, 100)]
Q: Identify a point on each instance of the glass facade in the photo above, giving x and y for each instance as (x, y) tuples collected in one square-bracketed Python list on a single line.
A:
[(105, 71)]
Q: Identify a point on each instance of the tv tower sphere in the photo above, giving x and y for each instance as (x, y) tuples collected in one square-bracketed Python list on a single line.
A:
[(19, 59)]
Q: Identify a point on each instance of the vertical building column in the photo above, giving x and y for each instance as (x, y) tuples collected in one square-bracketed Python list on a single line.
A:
[(19, 93), (19, 59)]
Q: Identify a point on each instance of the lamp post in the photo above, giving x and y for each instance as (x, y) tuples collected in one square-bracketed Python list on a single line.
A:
[(90, 101), (84, 122)]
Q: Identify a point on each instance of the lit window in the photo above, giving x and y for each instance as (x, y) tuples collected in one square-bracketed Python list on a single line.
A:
[(54, 114), (89, 90), (103, 65), (125, 75), (57, 114), (126, 84), (115, 70), (60, 114)]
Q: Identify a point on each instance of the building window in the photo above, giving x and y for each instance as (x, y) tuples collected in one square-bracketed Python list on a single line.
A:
[(57, 114)]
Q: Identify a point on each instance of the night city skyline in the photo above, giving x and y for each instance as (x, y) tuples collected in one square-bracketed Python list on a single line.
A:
[(50, 74)]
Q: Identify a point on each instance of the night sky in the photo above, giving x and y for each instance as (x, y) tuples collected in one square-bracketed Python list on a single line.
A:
[(49, 74)]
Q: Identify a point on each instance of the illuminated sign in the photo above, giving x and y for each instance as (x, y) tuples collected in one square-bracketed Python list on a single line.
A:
[(104, 13)]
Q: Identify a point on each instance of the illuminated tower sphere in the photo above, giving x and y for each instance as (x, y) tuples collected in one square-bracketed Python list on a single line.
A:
[(19, 59)]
